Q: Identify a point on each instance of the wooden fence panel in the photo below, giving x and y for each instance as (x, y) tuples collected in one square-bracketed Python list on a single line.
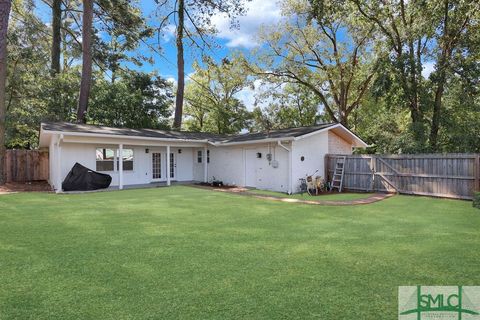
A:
[(26, 165), (441, 175)]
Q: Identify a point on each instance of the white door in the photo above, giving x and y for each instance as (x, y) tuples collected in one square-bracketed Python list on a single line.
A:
[(251, 168), (173, 166), (157, 166)]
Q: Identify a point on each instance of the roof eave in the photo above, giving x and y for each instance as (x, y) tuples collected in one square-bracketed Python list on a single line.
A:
[(118, 136), (359, 143)]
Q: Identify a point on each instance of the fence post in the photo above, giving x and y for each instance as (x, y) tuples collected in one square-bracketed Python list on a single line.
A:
[(373, 167), (476, 167)]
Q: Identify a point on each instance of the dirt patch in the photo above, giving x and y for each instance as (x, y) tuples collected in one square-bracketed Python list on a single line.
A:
[(371, 198), (36, 186)]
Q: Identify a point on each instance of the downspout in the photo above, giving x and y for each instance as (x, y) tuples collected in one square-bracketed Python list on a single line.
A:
[(289, 166), (59, 165)]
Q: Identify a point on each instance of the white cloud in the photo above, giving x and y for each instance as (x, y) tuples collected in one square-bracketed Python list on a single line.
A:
[(254, 96), (168, 32), (247, 96), (259, 12), (172, 80), (428, 68)]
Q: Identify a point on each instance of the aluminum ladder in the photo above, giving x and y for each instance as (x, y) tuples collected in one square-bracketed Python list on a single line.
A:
[(337, 180)]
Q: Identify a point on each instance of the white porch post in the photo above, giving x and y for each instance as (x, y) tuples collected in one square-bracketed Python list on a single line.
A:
[(59, 167), (168, 165), (205, 165), (120, 167)]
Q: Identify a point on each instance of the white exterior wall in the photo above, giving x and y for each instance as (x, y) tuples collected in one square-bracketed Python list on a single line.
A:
[(52, 159), (313, 149), (228, 164), (142, 162), (337, 145)]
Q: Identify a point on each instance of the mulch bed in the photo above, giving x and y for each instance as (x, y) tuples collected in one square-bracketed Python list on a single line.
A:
[(35, 186), (210, 185)]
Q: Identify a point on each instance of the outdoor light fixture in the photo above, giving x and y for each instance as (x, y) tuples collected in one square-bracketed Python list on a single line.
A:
[(179, 150), (147, 150)]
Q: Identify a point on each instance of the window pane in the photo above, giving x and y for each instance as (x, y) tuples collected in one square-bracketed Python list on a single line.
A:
[(127, 154), (104, 154), (127, 159), (104, 166), (199, 156), (127, 165)]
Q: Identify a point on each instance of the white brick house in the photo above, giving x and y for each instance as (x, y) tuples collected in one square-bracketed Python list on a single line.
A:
[(272, 161)]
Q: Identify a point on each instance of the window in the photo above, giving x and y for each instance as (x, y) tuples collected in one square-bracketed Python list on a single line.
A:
[(108, 159), (199, 156), (208, 156), (127, 159), (105, 159)]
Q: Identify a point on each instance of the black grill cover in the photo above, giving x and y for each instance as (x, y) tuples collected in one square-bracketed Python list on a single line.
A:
[(84, 179)]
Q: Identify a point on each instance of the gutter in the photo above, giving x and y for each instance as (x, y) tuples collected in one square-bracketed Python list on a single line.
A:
[(253, 141)]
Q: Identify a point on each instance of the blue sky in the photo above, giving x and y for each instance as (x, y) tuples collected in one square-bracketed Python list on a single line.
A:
[(259, 12)]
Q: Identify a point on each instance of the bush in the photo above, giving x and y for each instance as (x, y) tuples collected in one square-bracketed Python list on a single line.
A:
[(476, 200)]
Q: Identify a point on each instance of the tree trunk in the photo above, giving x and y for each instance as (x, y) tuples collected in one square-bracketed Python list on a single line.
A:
[(177, 121), (5, 6), (86, 61), (57, 36), (441, 78)]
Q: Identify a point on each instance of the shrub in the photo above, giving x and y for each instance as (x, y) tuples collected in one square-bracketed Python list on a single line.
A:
[(476, 200)]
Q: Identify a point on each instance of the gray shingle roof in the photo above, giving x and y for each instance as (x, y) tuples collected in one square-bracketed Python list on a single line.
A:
[(279, 134), (149, 133), (182, 135)]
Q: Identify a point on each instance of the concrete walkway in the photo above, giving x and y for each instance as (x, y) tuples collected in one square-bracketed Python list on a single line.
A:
[(248, 193)]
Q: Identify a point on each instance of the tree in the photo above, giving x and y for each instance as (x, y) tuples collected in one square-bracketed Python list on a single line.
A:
[(86, 61), (135, 100), (409, 38), (5, 6), (211, 103), (197, 14), (307, 50), (56, 36), (291, 105)]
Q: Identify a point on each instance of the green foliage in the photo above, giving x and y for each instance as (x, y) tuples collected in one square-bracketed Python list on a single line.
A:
[(476, 200), (135, 100), (211, 103), (287, 107), (306, 49), (120, 97)]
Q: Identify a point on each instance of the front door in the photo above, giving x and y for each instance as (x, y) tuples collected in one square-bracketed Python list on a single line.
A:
[(173, 166), (157, 166)]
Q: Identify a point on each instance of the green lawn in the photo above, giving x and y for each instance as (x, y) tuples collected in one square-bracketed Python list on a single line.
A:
[(187, 253), (305, 196)]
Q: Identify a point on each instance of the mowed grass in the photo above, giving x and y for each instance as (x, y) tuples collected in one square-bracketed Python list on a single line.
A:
[(334, 196), (187, 253)]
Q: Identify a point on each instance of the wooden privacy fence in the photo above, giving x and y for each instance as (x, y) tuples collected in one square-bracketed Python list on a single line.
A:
[(26, 165), (439, 175)]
